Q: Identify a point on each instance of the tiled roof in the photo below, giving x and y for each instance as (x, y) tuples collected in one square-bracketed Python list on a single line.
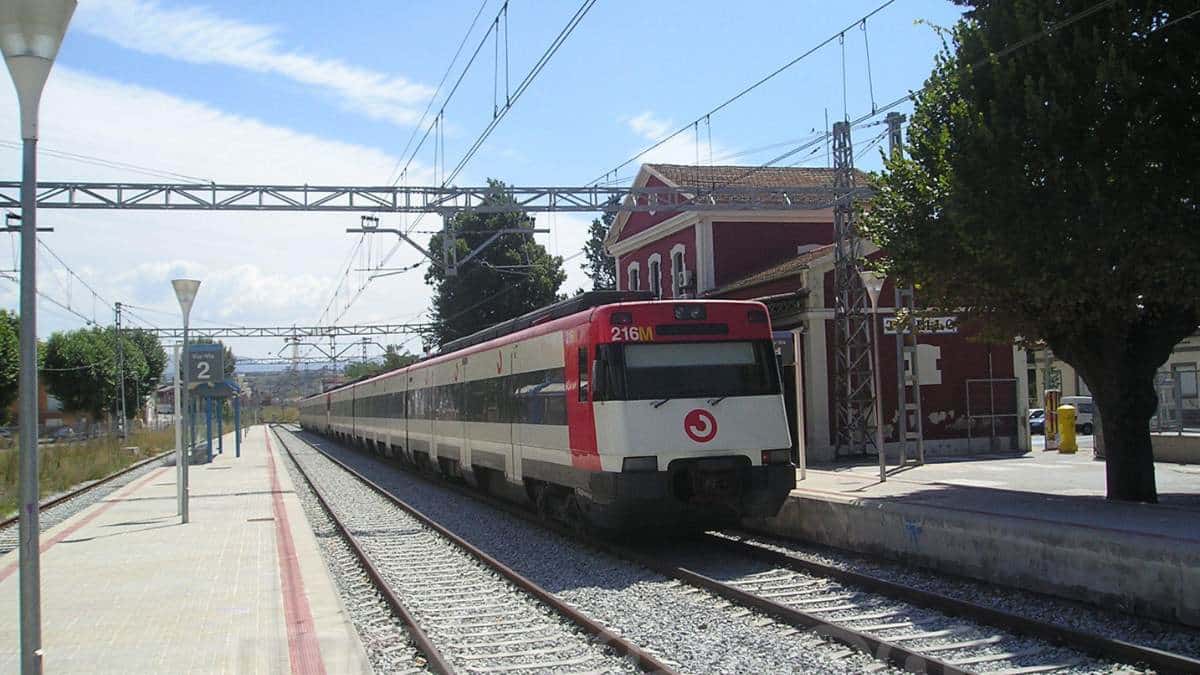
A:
[(783, 270), (685, 175)]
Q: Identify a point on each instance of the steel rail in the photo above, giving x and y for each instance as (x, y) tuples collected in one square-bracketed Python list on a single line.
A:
[(899, 656), (645, 660), (1094, 644), (1091, 643), (67, 496), (433, 655)]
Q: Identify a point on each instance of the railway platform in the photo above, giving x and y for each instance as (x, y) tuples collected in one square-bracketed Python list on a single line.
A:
[(1037, 521), (241, 588)]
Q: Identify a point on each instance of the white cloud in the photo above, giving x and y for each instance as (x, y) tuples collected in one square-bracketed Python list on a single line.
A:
[(685, 148), (198, 35), (257, 268), (648, 126)]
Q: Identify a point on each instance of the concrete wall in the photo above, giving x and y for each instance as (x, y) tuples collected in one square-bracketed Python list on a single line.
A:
[(1175, 448), (1147, 575)]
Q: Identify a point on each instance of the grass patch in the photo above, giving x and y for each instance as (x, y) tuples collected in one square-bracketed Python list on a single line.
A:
[(287, 414), (63, 466)]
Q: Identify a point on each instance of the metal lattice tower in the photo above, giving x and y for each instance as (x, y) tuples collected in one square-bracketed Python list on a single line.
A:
[(854, 392), (909, 419)]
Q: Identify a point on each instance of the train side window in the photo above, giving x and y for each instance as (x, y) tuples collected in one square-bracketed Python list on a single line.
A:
[(583, 374)]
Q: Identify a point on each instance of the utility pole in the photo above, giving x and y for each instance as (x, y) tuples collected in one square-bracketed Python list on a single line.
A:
[(854, 391), (121, 373), (908, 381)]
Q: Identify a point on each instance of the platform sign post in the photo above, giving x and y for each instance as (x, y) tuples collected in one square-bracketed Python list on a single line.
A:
[(237, 425), (220, 427), (208, 427)]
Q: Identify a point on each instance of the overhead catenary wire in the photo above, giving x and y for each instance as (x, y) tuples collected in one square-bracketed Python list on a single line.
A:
[(110, 163), (746, 90), (860, 120)]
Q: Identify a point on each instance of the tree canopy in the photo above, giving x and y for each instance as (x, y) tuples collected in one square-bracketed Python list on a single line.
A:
[(1050, 193), (10, 360), (600, 267), (81, 368), (393, 358), (510, 277)]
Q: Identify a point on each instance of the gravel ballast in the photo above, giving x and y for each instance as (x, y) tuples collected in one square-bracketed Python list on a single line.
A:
[(384, 638), (477, 619), (696, 631)]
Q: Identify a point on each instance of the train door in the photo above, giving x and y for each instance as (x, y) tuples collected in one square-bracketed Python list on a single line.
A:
[(580, 417)]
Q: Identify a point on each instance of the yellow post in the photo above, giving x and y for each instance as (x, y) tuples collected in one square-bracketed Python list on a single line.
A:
[(1066, 425)]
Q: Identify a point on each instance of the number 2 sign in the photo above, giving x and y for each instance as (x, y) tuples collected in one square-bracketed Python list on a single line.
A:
[(206, 363)]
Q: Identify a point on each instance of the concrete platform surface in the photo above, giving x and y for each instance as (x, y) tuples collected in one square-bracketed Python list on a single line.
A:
[(1038, 521), (1042, 485), (242, 588)]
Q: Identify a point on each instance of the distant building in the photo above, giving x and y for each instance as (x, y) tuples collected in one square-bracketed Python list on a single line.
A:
[(972, 394)]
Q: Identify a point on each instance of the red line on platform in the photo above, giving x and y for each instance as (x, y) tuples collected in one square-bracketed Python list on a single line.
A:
[(303, 648), (7, 570)]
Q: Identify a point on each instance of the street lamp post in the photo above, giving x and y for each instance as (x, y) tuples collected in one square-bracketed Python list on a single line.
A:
[(185, 292), (30, 34), (873, 281)]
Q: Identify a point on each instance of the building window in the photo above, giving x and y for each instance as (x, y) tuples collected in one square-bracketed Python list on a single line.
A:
[(635, 280), (654, 271), (1185, 374), (681, 280)]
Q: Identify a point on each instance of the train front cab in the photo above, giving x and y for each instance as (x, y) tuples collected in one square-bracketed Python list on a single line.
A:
[(691, 427)]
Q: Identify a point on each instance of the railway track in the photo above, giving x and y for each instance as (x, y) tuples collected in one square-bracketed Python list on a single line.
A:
[(902, 626), (65, 505), (464, 610)]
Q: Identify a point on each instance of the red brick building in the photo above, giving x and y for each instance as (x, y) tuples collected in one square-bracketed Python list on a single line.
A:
[(971, 391)]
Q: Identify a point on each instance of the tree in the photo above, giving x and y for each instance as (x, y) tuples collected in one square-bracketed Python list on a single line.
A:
[(155, 357), (1051, 194), (80, 369), (10, 360), (510, 277), (600, 267), (393, 358)]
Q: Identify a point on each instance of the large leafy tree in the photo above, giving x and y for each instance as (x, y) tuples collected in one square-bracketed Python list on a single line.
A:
[(155, 357), (1051, 194), (10, 360), (600, 267), (393, 357), (511, 276)]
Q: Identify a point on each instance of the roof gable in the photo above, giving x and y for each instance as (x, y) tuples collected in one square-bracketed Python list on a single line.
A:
[(697, 178)]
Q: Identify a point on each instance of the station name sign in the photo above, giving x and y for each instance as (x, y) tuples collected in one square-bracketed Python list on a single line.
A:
[(943, 325)]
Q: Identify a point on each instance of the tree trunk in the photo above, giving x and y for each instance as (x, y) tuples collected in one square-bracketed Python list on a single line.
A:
[(1124, 394)]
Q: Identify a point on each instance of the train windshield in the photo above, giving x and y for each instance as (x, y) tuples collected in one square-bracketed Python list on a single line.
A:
[(635, 372)]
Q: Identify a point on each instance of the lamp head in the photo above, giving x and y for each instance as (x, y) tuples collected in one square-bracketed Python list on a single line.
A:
[(873, 281), (185, 292), (31, 32)]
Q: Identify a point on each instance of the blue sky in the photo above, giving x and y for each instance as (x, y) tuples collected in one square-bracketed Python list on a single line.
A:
[(324, 92)]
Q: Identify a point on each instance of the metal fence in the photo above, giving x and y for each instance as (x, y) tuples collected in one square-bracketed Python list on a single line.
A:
[(1178, 401)]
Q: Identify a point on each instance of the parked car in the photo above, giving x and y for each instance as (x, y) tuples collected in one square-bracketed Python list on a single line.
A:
[(1037, 421), (63, 435), (1085, 410)]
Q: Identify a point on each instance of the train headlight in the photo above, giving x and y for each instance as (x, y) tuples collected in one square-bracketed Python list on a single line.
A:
[(783, 456), (630, 464)]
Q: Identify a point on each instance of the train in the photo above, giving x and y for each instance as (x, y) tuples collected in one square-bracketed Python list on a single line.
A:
[(611, 410)]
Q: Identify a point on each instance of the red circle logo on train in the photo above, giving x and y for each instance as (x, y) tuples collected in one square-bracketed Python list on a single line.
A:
[(700, 426)]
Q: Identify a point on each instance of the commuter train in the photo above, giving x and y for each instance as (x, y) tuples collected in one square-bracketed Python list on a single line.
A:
[(610, 409)]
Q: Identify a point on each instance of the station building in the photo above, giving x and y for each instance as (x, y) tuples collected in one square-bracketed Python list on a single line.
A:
[(973, 393)]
